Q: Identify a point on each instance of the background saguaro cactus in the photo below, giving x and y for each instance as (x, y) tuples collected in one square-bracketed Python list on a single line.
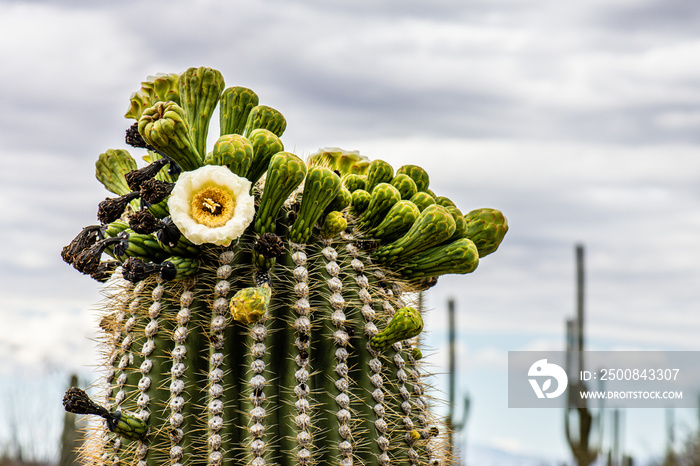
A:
[(260, 307)]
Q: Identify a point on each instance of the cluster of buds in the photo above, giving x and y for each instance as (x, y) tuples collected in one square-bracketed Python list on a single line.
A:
[(86, 250)]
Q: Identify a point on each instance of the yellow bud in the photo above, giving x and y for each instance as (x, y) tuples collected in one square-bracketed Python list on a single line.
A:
[(250, 304)]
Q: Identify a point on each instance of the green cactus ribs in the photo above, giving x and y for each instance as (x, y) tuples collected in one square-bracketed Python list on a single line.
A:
[(262, 306)]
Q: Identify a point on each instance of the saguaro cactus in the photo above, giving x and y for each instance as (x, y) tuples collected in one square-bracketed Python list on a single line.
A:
[(261, 307)]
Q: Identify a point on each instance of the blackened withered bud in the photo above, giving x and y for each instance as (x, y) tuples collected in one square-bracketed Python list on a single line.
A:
[(105, 270), (76, 401), (366, 244), (174, 169), (168, 271), (135, 269), (110, 209), (269, 246), (144, 222), (154, 191), (89, 260), (169, 234), (134, 138), (120, 247), (84, 240), (135, 178)]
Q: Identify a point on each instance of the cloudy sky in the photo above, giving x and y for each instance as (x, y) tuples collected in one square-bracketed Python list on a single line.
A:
[(579, 120)]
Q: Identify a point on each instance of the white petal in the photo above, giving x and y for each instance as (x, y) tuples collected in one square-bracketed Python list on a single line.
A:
[(191, 182)]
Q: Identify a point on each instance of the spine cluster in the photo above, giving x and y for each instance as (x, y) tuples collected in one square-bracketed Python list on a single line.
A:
[(302, 327)]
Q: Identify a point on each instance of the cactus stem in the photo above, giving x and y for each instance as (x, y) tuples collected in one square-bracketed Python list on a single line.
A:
[(374, 363), (215, 406), (302, 326), (341, 340), (179, 378), (147, 385), (127, 359), (401, 395), (256, 426), (427, 430)]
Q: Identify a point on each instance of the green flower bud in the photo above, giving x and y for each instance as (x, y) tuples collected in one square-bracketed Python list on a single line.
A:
[(138, 245), (444, 201), (486, 227), (128, 425), (379, 172), (113, 229), (422, 200), (417, 174), (232, 151), (285, 173), (158, 88), (138, 101), (182, 267), (384, 196), (397, 221), (344, 161), (460, 256), (406, 323), (405, 185), (434, 225), (250, 304), (111, 167), (460, 223), (320, 188), (200, 89), (359, 168), (265, 145), (359, 202), (236, 104), (340, 202), (333, 224), (164, 126), (267, 118), (354, 182)]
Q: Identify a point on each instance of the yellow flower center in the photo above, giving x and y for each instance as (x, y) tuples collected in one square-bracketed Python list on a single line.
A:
[(213, 207)]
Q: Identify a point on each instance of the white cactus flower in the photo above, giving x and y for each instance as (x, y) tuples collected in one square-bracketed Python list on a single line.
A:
[(211, 205)]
